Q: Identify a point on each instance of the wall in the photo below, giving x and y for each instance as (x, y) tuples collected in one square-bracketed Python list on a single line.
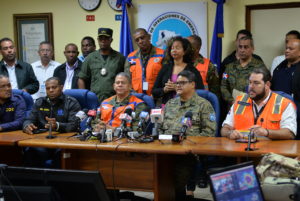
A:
[(70, 25)]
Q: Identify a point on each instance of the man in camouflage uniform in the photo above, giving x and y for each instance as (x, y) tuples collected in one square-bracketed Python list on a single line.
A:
[(235, 78), (100, 67), (207, 70), (203, 124)]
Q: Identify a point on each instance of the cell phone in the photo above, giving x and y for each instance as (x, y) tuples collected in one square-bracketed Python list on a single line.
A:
[(37, 131), (243, 140)]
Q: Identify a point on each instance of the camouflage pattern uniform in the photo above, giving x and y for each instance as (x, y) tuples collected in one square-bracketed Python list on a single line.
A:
[(236, 77), (203, 121), (212, 77), (274, 165)]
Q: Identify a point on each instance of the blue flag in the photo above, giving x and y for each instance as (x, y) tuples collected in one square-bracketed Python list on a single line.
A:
[(216, 46), (125, 36)]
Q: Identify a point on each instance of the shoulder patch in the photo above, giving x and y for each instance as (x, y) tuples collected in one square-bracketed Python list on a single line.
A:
[(212, 117), (243, 103), (225, 76)]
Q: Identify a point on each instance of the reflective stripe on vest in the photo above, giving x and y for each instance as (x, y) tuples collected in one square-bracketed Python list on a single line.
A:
[(241, 108), (203, 69), (277, 105)]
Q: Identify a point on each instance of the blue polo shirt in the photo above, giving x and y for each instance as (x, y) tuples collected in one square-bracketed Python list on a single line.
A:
[(12, 113), (283, 77)]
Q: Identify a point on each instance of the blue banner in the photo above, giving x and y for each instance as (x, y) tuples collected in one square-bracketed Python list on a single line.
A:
[(125, 36), (216, 46)]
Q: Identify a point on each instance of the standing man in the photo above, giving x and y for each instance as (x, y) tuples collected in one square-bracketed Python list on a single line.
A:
[(208, 71), (68, 71), (145, 63), (262, 111), (87, 46), (236, 75), (12, 107), (203, 123), (21, 75), (44, 68), (101, 67)]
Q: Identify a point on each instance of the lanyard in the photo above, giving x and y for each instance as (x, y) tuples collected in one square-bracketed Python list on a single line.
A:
[(258, 113)]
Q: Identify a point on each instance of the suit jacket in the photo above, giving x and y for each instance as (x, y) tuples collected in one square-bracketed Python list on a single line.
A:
[(61, 73), (26, 78)]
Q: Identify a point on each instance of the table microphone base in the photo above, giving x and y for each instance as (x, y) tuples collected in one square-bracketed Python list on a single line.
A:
[(50, 137)]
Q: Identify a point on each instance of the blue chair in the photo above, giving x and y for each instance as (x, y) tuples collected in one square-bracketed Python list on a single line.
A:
[(86, 98), (28, 100), (212, 98), (288, 96), (147, 99)]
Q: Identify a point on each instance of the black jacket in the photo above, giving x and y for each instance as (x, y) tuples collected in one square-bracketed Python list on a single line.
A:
[(25, 76), (61, 73), (164, 74), (63, 111)]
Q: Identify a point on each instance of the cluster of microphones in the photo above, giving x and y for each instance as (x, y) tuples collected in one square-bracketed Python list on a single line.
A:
[(147, 127)]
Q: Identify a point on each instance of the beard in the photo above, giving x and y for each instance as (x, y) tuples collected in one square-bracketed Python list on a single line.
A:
[(259, 96)]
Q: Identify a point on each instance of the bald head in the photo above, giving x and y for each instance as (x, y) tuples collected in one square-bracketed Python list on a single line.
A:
[(292, 51)]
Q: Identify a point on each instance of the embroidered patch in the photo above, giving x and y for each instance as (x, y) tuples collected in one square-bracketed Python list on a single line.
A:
[(132, 62), (60, 112), (225, 76), (156, 60), (212, 117), (243, 103)]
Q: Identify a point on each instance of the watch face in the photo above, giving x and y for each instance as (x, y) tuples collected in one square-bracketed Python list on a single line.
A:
[(89, 4), (112, 4)]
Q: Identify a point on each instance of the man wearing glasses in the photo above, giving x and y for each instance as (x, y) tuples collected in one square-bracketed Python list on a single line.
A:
[(203, 124)]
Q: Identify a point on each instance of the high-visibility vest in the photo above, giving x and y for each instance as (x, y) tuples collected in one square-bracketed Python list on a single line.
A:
[(270, 117), (203, 69), (153, 67), (111, 115)]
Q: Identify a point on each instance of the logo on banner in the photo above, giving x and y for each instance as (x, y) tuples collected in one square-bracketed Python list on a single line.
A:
[(168, 25)]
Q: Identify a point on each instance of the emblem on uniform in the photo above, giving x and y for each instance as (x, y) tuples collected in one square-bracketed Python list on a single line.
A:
[(60, 112), (132, 62), (243, 103), (156, 60), (225, 76), (212, 117), (103, 71)]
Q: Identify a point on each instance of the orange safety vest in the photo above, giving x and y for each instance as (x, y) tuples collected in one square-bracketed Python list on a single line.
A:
[(270, 117), (203, 69), (110, 114), (153, 67)]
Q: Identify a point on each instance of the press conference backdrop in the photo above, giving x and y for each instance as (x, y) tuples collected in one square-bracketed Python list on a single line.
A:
[(269, 26)]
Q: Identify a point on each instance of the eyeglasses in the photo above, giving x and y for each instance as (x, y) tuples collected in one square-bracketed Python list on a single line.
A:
[(181, 83)]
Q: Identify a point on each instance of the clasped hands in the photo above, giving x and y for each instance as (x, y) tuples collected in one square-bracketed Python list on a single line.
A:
[(29, 128), (256, 130)]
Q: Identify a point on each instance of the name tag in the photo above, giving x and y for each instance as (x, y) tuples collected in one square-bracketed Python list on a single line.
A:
[(145, 86), (243, 103)]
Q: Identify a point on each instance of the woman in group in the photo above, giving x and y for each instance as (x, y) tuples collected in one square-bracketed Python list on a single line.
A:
[(179, 57)]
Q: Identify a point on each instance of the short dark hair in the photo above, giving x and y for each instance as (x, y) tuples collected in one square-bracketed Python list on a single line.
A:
[(126, 75), (5, 39), (71, 44), (244, 32), (294, 32), (197, 39), (248, 38), (54, 78), (45, 43), (187, 48), (89, 38), (141, 30), (188, 74), (265, 72)]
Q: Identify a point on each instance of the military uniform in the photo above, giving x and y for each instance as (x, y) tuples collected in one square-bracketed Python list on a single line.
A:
[(102, 72), (203, 120), (212, 76), (237, 77), (138, 108)]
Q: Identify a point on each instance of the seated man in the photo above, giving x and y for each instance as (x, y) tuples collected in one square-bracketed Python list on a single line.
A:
[(113, 107), (12, 107), (262, 111), (203, 124), (56, 109)]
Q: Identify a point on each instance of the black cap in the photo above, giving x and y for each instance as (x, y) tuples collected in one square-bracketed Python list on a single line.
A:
[(105, 32)]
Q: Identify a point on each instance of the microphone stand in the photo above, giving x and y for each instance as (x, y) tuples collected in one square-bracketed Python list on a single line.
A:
[(50, 136), (248, 148), (155, 129)]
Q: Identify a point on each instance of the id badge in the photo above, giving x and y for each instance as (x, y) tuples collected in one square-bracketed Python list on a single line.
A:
[(145, 86), (42, 89)]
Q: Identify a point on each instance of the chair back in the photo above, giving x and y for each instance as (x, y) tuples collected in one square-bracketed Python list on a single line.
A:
[(28, 100), (288, 96), (147, 99), (212, 98), (86, 98)]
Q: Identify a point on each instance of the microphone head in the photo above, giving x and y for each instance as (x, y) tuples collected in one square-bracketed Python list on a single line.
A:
[(92, 113), (128, 111), (189, 114), (144, 115), (81, 115)]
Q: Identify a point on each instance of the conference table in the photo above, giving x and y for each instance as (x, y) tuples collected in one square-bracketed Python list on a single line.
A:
[(131, 165), (147, 167)]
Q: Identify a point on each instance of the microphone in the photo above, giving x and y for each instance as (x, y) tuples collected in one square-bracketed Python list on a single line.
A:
[(186, 123), (80, 117), (125, 118), (50, 136), (91, 115), (98, 113), (144, 117), (156, 117)]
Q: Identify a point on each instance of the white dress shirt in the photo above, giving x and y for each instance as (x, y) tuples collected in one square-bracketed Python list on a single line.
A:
[(12, 75), (276, 61), (42, 74)]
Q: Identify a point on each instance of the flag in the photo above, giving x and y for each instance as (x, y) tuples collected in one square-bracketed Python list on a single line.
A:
[(216, 46), (125, 36)]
